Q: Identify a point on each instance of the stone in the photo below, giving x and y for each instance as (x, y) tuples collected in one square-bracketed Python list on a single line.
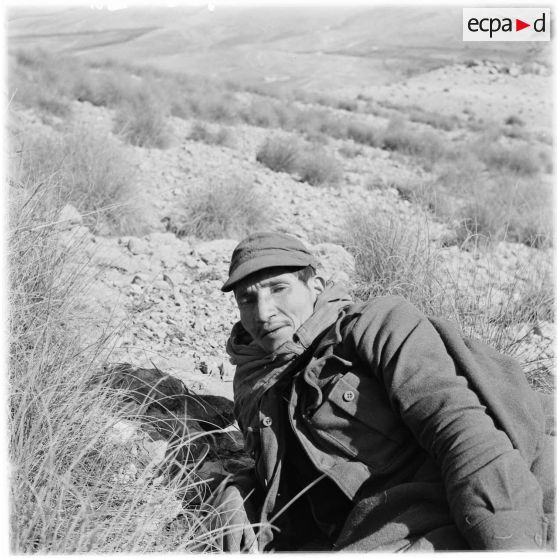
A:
[(140, 278), (227, 371), (123, 432), (193, 263), (69, 217), (334, 259), (138, 246), (156, 450), (161, 285), (184, 363)]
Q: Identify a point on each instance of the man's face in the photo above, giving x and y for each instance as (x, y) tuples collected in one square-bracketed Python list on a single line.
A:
[(273, 305)]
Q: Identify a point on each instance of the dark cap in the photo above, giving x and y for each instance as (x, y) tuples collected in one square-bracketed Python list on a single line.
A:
[(266, 249)]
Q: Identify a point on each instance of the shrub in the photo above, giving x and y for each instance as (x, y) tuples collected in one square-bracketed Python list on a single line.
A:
[(68, 492), (362, 132), (89, 171), (279, 154), (142, 121), (522, 160), (427, 145), (223, 209), (502, 309), (514, 120), (351, 151), (317, 166), (201, 132), (391, 257), (434, 119)]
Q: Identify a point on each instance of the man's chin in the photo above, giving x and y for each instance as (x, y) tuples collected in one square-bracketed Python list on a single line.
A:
[(270, 343)]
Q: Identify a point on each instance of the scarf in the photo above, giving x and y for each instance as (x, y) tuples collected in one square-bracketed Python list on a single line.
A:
[(257, 371)]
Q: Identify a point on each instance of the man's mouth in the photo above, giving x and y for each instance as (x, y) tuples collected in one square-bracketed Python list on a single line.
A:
[(271, 331)]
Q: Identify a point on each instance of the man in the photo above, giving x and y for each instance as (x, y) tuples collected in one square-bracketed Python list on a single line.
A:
[(372, 426)]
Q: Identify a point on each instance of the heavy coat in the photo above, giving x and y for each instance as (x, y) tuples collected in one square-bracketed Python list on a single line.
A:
[(434, 438)]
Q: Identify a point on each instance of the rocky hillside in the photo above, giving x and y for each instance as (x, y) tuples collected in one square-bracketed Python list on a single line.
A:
[(156, 294)]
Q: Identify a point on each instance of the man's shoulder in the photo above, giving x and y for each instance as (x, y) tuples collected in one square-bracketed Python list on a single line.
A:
[(388, 308)]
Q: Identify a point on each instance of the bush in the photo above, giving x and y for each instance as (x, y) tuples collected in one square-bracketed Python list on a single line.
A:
[(502, 309), (317, 166), (89, 171), (391, 257), (279, 154), (364, 133), (434, 119), (522, 160), (397, 136), (142, 120), (310, 162), (224, 209), (69, 491), (201, 132)]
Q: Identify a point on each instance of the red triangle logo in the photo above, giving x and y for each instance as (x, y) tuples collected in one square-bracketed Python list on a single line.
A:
[(519, 25)]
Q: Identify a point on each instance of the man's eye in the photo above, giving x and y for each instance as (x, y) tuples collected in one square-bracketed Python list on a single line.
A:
[(278, 288)]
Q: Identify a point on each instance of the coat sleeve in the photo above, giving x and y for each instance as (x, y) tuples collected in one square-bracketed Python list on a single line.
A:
[(494, 499)]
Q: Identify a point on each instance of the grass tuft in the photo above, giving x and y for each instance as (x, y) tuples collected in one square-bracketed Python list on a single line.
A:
[(222, 209), (89, 171), (280, 154)]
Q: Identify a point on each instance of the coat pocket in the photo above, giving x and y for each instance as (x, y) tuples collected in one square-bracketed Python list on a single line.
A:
[(356, 417)]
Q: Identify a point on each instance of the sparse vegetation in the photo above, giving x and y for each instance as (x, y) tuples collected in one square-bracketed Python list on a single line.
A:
[(310, 162), (73, 487), (393, 257), (280, 154), (518, 159), (221, 136), (427, 145), (89, 171), (221, 209), (316, 166), (142, 120)]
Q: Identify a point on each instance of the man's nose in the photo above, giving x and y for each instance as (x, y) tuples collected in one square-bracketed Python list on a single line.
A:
[(265, 308)]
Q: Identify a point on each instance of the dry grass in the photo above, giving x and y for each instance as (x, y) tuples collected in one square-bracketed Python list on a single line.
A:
[(504, 309), (280, 154), (310, 162), (427, 145), (203, 133), (390, 257), (73, 487), (142, 120), (89, 171), (317, 167), (519, 159), (223, 209)]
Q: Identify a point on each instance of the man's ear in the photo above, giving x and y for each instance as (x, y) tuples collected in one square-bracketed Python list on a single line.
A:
[(317, 284)]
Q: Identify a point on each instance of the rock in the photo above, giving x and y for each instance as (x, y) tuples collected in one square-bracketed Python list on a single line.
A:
[(216, 251), (211, 367), (183, 363), (514, 71), (138, 246), (193, 263), (227, 371), (140, 278), (156, 450), (161, 285), (69, 216), (123, 431), (334, 260)]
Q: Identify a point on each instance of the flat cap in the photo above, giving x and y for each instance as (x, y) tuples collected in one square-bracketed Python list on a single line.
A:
[(266, 249)]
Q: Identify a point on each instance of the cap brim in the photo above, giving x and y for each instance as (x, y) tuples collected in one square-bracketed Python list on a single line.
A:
[(263, 262)]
